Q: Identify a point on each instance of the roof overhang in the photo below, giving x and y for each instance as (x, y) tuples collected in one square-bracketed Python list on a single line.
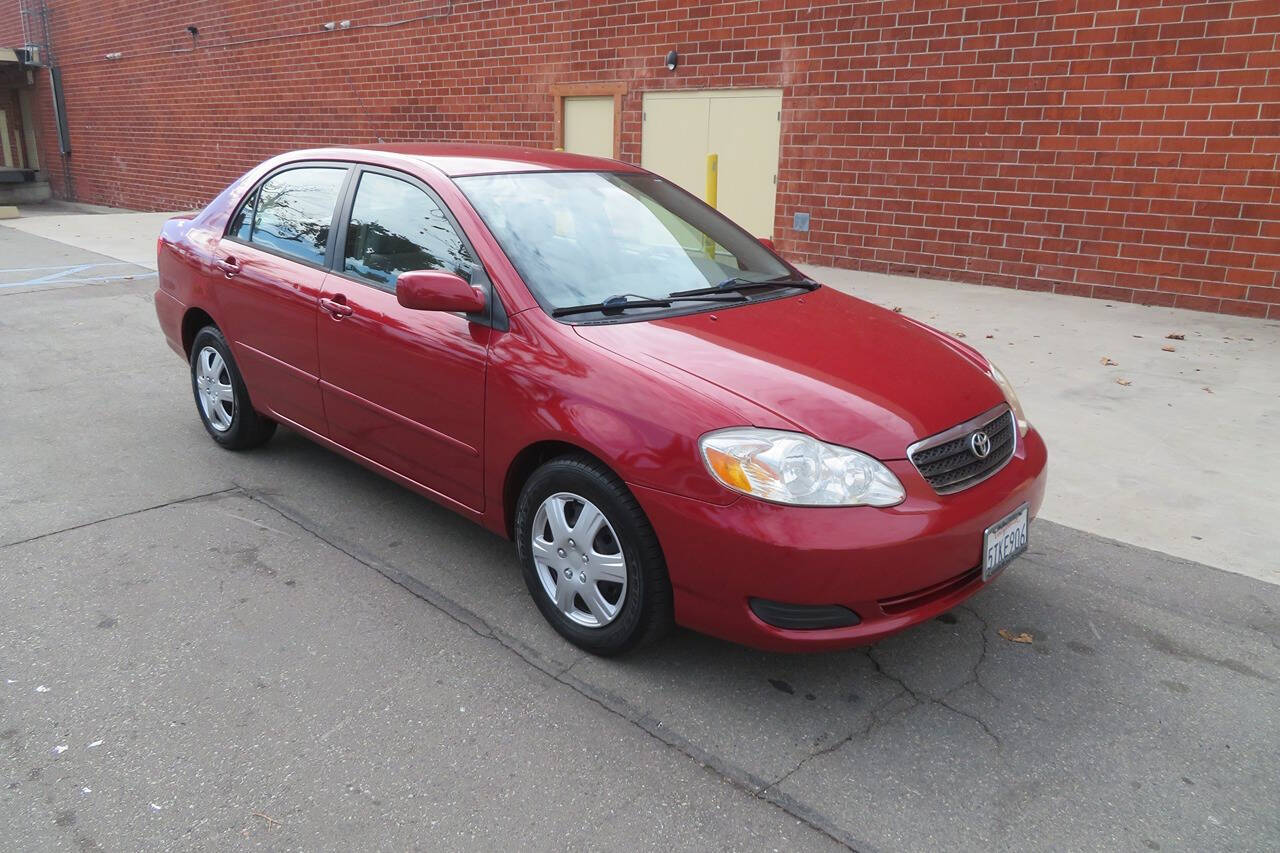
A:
[(8, 55)]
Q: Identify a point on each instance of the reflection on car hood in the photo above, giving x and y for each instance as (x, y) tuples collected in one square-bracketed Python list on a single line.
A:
[(836, 367)]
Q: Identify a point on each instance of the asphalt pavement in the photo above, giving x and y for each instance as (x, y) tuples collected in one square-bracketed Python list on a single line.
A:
[(280, 649)]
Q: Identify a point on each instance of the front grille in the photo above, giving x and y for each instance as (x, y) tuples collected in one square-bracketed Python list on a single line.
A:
[(947, 460)]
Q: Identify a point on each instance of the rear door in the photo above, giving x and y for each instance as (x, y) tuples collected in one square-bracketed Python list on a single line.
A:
[(274, 258), (401, 387)]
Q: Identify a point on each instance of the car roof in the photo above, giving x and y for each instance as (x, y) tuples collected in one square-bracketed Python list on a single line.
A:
[(455, 159)]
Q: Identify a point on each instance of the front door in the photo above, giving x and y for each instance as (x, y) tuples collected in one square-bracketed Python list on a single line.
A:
[(273, 262), (401, 387)]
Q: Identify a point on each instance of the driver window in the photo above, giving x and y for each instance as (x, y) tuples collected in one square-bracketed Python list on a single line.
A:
[(396, 227)]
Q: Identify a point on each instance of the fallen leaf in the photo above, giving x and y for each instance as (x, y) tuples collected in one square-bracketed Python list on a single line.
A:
[(1176, 336), (989, 337), (1207, 389), (1124, 382), (1169, 349), (1024, 637), (1107, 362), (897, 309), (959, 334)]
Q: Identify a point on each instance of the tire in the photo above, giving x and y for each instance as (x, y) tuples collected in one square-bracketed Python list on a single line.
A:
[(230, 420), (636, 613)]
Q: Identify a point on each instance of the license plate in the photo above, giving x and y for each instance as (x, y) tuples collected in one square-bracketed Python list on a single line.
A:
[(1003, 541)]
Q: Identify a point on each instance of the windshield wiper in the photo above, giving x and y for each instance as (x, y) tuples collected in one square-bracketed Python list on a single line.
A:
[(738, 284), (623, 301)]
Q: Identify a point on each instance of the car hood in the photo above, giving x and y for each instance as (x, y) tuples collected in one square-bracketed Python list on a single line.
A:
[(841, 369)]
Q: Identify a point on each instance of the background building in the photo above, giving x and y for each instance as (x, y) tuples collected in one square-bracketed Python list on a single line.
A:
[(1124, 149)]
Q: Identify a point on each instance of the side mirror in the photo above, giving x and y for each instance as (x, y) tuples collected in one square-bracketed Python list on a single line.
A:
[(767, 243), (434, 290)]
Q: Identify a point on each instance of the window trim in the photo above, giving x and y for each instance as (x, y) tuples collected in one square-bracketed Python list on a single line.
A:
[(250, 200), (560, 91), (494, 313), (326, 264)]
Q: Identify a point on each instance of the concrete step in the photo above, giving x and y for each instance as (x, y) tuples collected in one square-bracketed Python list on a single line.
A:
[(30, 192)]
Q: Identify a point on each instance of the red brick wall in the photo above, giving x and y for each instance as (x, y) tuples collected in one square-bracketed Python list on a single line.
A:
[(1124, 149)]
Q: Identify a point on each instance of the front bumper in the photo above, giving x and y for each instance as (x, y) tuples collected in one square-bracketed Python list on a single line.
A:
[(894, 567)]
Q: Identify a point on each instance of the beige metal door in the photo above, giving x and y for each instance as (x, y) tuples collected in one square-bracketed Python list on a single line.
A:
[(588, 125), (4, 140), (742, 126)]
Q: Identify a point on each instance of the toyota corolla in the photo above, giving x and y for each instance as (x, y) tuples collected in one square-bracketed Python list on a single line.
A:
[(674, 424)]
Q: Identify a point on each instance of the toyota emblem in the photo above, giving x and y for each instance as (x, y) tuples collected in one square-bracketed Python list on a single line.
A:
[(980, 444)]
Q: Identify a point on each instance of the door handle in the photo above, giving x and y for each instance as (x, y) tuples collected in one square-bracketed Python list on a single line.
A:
[(229, 265), (338, 309)]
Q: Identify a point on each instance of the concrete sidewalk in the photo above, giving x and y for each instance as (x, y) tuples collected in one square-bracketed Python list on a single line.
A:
[(125, 235), (1158, 441)]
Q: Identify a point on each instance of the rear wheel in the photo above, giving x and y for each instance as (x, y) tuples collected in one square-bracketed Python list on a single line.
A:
[(221, 397), (590, 559)]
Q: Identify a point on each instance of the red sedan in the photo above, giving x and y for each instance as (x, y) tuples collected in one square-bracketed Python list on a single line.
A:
[(672, 422)]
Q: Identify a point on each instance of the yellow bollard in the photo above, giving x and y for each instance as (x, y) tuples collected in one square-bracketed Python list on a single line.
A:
[(713, 180), (713, 169)]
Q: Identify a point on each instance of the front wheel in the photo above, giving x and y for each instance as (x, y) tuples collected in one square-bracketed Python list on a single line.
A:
[(221, 397), (590, 558)]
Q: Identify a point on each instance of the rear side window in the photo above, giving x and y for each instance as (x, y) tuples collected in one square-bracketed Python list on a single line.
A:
[(293, 211), (396, 227)]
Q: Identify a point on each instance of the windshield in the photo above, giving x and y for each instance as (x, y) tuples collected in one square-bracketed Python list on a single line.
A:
[(579, 238)]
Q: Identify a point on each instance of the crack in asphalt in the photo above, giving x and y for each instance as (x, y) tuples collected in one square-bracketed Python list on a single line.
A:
[(984, 629), (974, 679), (874, 718), (826, 750), (970, 716), (739, 777), (873, 721), (898, 680), (131, 512)]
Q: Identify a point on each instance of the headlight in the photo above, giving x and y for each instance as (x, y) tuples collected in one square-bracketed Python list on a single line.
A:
[(1011, 398), (792, 468)]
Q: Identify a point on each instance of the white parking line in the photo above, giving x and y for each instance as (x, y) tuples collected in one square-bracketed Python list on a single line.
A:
[(64, 266), (57, 281), (53, 276)]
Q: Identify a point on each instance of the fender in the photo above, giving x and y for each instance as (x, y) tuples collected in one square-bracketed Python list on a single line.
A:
[(545, 384)]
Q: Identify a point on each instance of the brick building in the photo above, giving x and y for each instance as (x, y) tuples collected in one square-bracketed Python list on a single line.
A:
[(1124, 149)]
